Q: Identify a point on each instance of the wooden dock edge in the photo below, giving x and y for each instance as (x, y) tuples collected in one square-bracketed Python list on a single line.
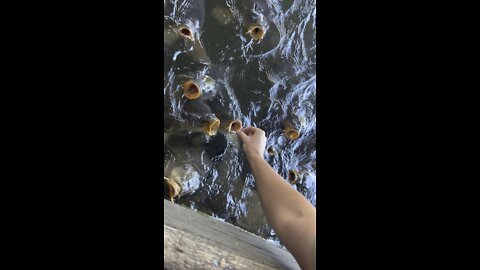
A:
[(193, 240)]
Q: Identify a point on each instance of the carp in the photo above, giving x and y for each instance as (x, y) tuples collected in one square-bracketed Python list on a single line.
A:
[(185, 23)]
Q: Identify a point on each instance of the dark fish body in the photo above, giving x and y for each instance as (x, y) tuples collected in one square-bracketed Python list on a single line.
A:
[(182, 114), (195, 109), (185, 148), (190, 11), (183, 162), (197, 117), (252, 11), (203, 80), (205, 85), (170, 35), (226, 146), (186, 21), (254, 14)]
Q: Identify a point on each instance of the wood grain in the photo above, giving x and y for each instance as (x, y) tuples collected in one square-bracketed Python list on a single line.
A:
[(193, 240)]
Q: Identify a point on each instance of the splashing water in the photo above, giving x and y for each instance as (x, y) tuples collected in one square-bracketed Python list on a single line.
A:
[(264, 83)]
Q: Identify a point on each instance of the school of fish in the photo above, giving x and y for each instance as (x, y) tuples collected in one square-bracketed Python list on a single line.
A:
[(231, 64)]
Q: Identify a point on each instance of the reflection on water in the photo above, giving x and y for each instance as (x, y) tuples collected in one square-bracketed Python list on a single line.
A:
[(254, 61)]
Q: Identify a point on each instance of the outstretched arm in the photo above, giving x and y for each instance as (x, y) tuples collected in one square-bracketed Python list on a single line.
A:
[(289, 212)]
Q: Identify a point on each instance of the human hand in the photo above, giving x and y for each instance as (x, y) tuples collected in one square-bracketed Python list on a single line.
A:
[(253, 140)]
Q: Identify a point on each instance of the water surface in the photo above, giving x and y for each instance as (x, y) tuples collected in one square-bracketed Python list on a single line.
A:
[(264, 84)]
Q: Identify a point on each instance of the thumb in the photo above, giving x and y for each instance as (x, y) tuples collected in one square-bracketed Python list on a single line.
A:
[(242, 135)]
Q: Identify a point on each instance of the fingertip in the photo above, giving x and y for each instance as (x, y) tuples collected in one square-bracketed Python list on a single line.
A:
[(247, 129), (240, 134)]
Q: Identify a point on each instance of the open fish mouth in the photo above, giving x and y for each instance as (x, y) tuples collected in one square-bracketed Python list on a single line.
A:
[(293, 176), (174, 188), (191, 90), (292, 133), (271, 151), (234, 126), (211, 126), (196, 87), (256, 31), (186, 33)]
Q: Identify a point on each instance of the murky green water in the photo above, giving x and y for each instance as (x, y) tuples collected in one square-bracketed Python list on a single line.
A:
[(268, 84)]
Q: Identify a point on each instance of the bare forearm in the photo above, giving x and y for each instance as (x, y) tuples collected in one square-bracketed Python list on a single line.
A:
[(279, 199), (290, 214)]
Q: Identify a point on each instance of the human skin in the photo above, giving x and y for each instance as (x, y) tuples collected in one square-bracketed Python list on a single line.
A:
[(290, 214)]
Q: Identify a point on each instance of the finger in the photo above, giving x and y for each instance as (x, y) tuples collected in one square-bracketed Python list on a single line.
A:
[(249, 130), (242, 135)]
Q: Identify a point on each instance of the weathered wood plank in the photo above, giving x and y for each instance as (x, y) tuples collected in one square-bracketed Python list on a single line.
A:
[(193, 240)]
